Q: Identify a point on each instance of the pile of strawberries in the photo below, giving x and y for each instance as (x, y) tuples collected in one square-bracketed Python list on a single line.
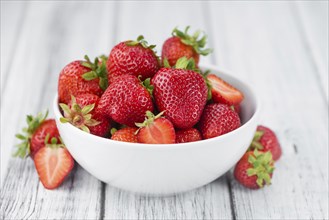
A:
[(135, 96)]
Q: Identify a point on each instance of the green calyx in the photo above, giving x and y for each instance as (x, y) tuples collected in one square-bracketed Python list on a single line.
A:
[(23, 149), (187, 64), (53, 142), (149, 119), (208, 83), (197, 41), (255, 144), (166, 63), (141, 41), (77, 116), (262, 166), (113, 130), (147, 84), (98, 70)]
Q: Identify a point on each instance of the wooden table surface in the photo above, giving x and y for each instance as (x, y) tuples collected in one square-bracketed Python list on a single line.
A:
[(281, 48)]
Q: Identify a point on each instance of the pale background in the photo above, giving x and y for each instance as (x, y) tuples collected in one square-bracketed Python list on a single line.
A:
[(281, 48)]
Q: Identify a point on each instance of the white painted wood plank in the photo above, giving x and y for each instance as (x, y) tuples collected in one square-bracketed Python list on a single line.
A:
[(313, 19), (12, 19), (55, 41), (24, 197), (155, 21), (260, 42), (209, 202)]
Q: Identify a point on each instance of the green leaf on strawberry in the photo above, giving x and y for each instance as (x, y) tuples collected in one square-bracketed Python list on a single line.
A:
[(187, 64), (262, 167), (98, 70), (193, 40), (23, 149), (140, 41), (77, 116)]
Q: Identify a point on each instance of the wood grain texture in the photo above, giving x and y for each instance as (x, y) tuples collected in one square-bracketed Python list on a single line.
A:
[(209, 202), (278, 47), (262, 44), (22, 195), (313, 26), (11, 26)]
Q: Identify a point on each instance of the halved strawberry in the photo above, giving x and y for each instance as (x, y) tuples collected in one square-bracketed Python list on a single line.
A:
[(33, 136), (156, 130), (224, 92), (53, 163)]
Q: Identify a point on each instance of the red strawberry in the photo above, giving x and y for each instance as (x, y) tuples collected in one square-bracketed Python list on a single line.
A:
[(53, 163), (181, 93), (266, 140), (254, 169), (188, 135), (223, 92), (236, 108), (134, 58), (126, 134), (35, 134), (126, 100), (80, 77), (184, 45), (156, 130), (82, 113), (218, 119), (48, 127)]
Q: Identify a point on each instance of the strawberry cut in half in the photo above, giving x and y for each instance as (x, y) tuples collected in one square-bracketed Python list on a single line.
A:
[(33, 136), (223, 92), (156, 130), (53, 164)]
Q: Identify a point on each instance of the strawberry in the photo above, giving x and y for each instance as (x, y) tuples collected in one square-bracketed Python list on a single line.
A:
[(236, 108), (184, 45), (80, 77), (223, 92), (188, 135), (126, 100), (82, 114), (134, 58), (266, 140), (53, 163), (254, 169), (181, 93), (156, 130), (126, 134), (218, 119), (34, 138)]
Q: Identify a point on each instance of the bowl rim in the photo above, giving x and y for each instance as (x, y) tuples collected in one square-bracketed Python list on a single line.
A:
[(255, 115)]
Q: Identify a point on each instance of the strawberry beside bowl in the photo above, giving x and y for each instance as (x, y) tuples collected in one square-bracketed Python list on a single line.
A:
[(168, 168)]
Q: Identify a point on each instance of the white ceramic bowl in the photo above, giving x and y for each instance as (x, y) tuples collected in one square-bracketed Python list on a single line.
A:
[(163, 169)]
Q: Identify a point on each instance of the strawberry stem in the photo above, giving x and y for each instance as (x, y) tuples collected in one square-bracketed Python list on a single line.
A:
[(149, 119)]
